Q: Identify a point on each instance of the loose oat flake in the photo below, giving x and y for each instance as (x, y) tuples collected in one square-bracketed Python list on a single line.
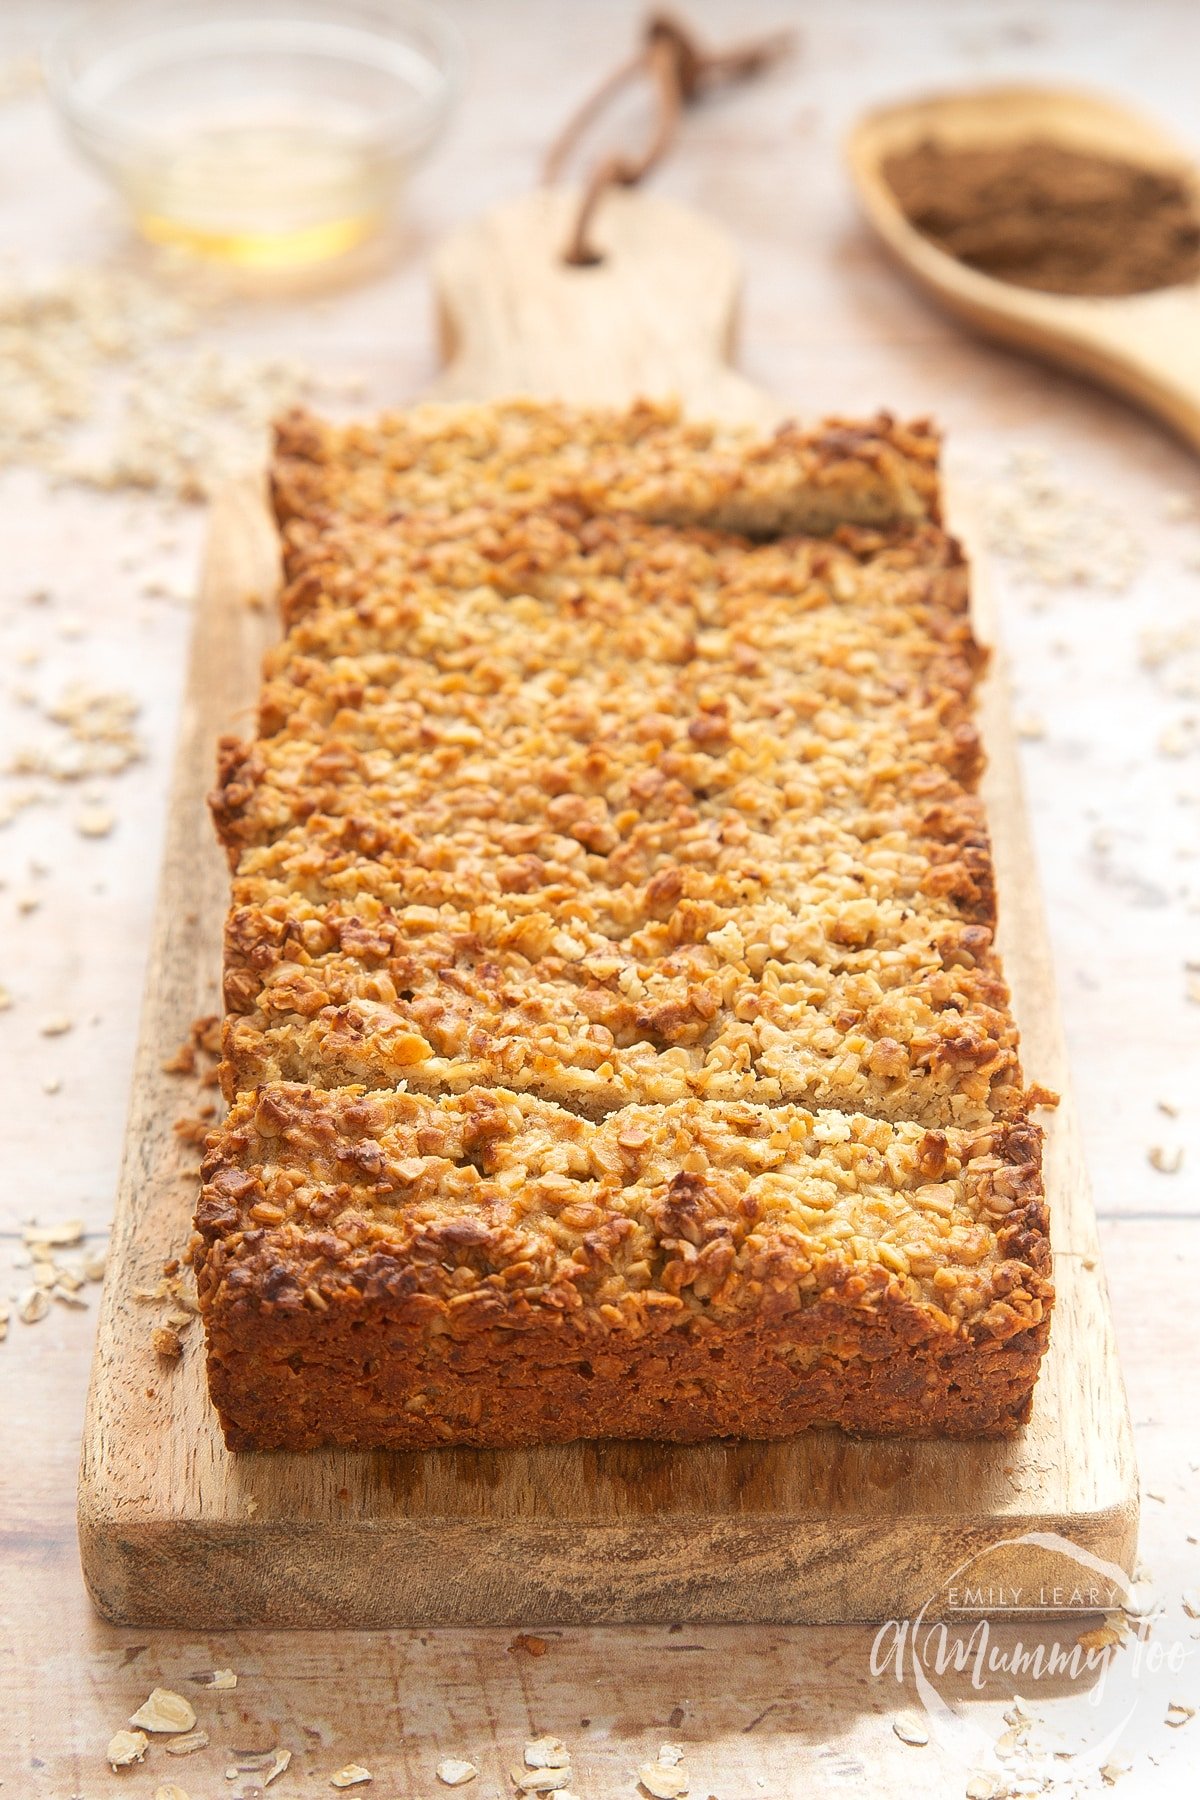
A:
[(666, 1781), (126, 1747), (982, 1786), (170, 1790), (1179, 1714), (909, 1729), (95, 821), (353, 1775), (540, 1781), (547, 1753), (188, 1742), (222, 1680), (63, 1235), (282, 1759), (456, 1772), (93, 1265), (33, 1305), (1141, 1599), (165, 1711), (670, 1754)]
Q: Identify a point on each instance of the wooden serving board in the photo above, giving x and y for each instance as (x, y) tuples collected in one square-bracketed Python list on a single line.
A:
[(176, 1531)]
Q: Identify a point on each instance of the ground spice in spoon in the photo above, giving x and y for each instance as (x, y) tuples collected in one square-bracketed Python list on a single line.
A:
[(1043, 216)]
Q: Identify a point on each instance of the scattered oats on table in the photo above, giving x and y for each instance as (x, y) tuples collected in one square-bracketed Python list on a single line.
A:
[(1141, 1599), (33, 1304), (57, 1026), (188, 1742), (1166, 1162), (540, 1781), (170, 1790), (126, 1747), (666, 1781), (1057, 536), (53, 1237), (94, 1264), (1178, 1713), (281, 1760), (910, 1729), (95, 821), (547, 1753), (165, 1710), (455, 1771), (353, 1775)]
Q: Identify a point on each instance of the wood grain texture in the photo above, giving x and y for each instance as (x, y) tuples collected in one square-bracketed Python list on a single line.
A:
[(1146, 346), (174, 1530)]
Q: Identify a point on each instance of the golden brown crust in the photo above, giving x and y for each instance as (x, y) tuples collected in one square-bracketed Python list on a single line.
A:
[(646, 460), (678, 1270), (646, 858)]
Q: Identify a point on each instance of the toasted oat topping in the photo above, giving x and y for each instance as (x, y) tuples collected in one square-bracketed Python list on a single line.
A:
[(696, 1205), (647, 459), (611, 812), (611, 936)]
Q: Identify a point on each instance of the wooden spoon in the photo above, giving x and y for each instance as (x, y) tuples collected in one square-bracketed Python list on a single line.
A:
[(1147, 346)]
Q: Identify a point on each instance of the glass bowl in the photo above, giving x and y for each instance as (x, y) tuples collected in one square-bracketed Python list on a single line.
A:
[(260, 132)]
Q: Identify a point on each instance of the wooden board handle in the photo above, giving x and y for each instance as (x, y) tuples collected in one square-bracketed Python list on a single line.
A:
[(654, 319)]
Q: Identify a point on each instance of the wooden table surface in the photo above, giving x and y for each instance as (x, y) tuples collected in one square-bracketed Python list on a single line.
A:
[(1109, 696)]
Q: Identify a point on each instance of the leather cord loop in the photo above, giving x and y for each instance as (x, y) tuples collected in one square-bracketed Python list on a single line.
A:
[(679, 72)]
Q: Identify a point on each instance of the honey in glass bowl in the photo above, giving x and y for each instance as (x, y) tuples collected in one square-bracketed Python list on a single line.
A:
[(265, 133)]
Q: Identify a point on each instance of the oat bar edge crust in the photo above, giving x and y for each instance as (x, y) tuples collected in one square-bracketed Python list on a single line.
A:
[(637, 1296)]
